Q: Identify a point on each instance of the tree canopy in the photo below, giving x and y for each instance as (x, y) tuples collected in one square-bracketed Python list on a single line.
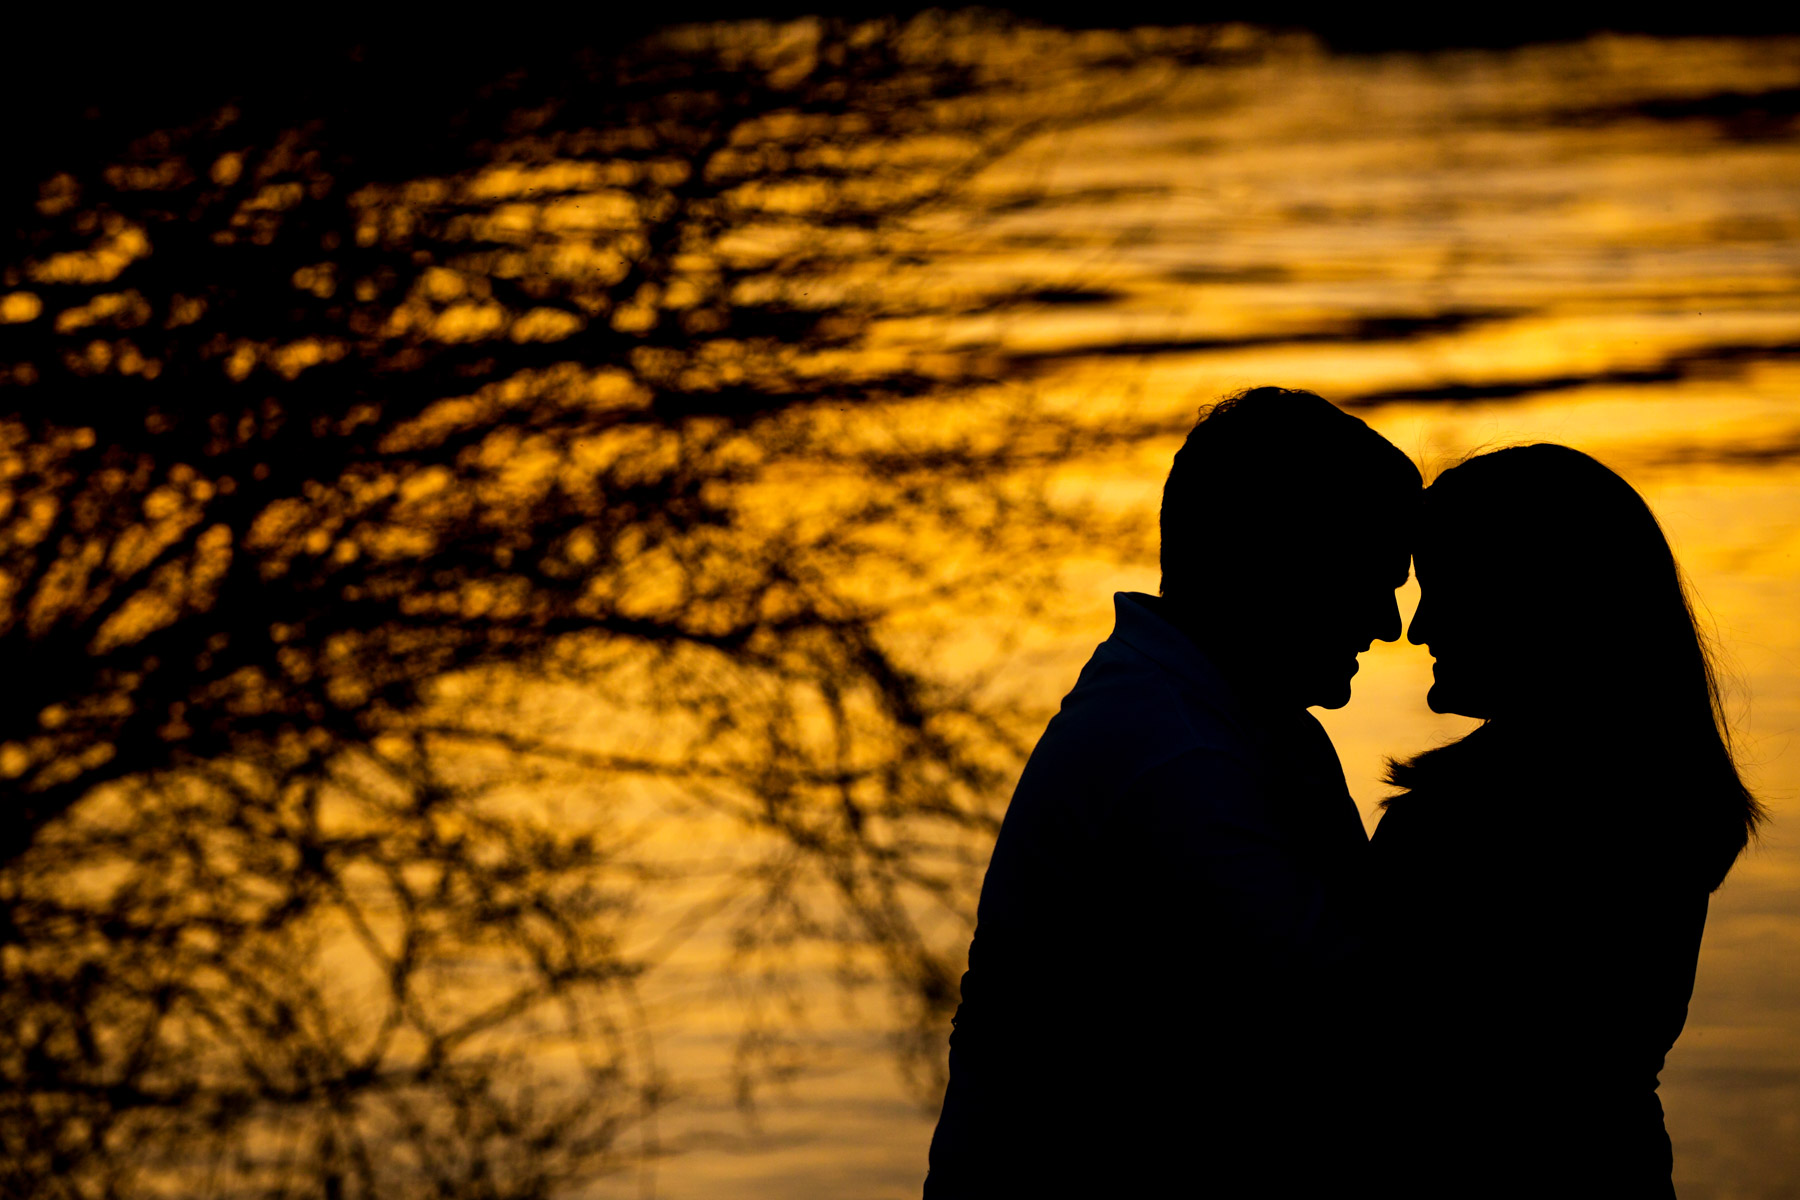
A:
[(344, 427)]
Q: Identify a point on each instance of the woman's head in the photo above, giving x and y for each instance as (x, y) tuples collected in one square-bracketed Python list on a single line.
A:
[(1546, 584), (1549, 597)]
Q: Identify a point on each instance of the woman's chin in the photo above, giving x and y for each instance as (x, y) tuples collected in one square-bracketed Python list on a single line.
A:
[(1441, 699)]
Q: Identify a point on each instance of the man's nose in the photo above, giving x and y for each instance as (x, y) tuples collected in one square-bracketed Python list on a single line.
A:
[(1386, 620)]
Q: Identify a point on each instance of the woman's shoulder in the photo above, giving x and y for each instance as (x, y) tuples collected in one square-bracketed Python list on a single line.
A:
[(1479, 803), (1534, 777), (1437, 825), (1441, 784)]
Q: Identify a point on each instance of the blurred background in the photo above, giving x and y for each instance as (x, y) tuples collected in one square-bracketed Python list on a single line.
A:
[(531, 557)]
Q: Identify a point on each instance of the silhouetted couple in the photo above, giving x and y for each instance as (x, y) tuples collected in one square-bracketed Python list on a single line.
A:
[(1192, 972)]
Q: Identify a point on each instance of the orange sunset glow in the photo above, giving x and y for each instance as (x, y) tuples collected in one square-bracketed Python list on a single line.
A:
[(524, 613)]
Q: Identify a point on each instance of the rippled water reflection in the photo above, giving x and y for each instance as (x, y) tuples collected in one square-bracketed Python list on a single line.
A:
[(1597, 244)]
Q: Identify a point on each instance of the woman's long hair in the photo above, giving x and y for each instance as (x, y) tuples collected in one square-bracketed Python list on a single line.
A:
[(1590, 576)]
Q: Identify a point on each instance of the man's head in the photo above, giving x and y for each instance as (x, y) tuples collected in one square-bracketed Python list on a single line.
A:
[(1286, 527)]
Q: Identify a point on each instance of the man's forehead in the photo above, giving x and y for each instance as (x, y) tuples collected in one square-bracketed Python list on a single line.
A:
[(1373, 548), (1373, 524)]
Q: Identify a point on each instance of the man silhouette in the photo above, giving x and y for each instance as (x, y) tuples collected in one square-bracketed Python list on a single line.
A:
[(1160, 995)]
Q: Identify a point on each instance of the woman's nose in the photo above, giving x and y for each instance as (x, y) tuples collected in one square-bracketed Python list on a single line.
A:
[(1419, 632)]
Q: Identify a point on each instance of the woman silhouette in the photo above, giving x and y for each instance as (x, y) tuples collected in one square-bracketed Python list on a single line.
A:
[(1541, 884)]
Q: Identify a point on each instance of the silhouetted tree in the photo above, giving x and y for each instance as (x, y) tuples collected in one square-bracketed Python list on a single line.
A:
[(340, 430)]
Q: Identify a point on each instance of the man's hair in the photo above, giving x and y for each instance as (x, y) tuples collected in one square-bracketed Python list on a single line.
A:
[(1261, 465)]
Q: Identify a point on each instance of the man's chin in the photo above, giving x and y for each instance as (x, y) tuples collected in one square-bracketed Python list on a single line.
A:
[(1333, 695)]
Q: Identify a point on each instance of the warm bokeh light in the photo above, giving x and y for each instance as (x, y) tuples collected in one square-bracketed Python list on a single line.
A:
[(536, 645)]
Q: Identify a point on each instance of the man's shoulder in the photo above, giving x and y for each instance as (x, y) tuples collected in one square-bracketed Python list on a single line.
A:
[(1145, 711)]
